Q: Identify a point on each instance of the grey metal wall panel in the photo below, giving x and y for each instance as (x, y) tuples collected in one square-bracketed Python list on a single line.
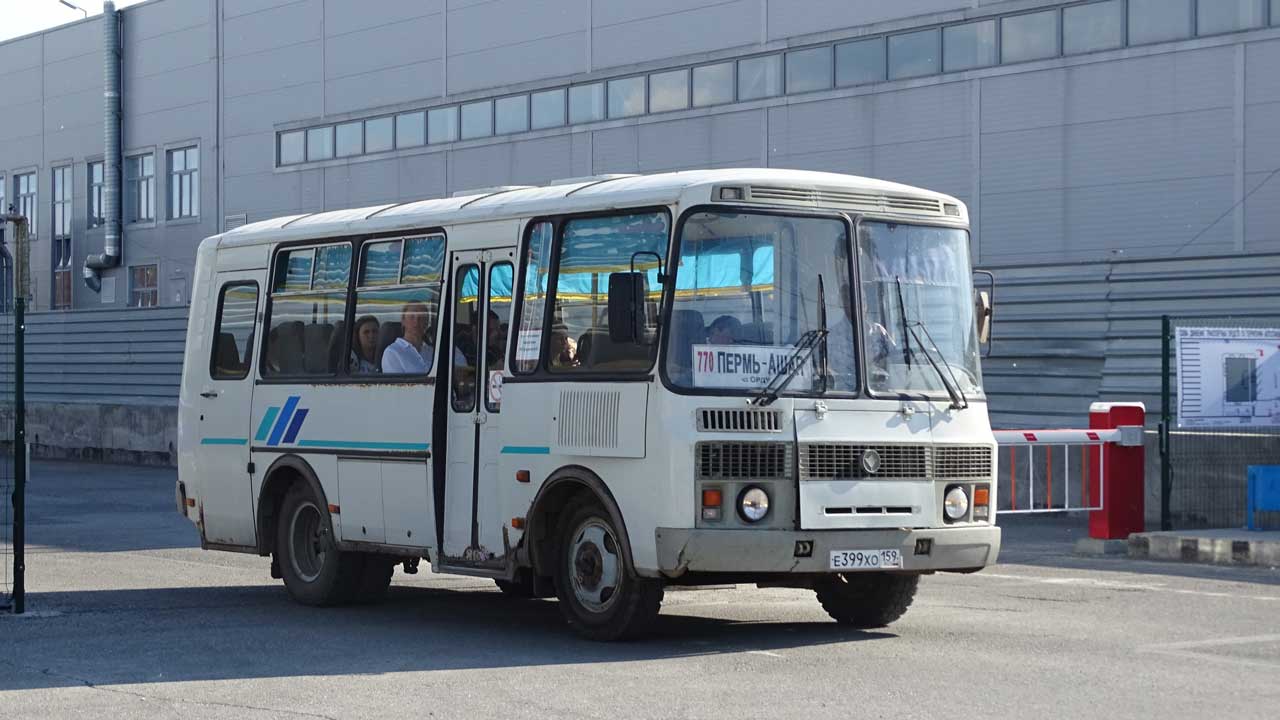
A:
[(522, 61), (343, 16), (173, 89), (542, 160), (22, 54), (76, 74), (277, 27), (271, 70), (383, 87), (248, 154), (478, 167), (1262, 213), (651, 31), (499, 23), (421, 176), (21, 86), (674, 144), (1262, 137), (412, 41), (946, 165), (261, 112), (1261, 82), (153, 19), (615, 150), (234, 8), (170, 51), (72, 110), (797, 17), (360, 184), (1024, 160), (22, 121)]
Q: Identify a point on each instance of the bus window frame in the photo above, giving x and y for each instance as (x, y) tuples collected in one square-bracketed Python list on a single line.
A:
[(851, 226), (217, 325), (541, 372), (342, 376)]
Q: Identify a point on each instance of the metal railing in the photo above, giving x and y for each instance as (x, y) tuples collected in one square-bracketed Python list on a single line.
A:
[(1065, 470)]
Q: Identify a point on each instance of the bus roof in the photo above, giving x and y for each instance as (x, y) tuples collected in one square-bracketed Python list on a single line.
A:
[(799, 188)]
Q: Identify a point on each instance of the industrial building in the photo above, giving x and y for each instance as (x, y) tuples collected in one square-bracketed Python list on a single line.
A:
[(1119, 157)]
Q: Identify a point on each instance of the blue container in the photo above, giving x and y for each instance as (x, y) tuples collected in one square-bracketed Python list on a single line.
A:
[(1264, 492)]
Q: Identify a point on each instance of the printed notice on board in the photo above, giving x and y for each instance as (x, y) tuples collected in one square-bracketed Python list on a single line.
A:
[(1228, 377), (528, 343), (746, 367)]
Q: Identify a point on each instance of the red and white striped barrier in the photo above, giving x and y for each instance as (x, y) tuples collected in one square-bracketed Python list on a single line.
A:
[(1107, 471)]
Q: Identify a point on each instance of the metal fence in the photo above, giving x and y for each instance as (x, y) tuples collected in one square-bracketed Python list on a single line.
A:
[(8, 486), (1226, 418), (13, 446)]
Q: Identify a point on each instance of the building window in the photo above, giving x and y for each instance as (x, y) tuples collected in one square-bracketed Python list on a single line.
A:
[(411, 129), (626, 97), (861, 62), (143, 290), (1275, 12), (95, 172), (184, 183), (914, 54), (713, 84), (511, 114), (349, 139), (1229, 16), (809, 70), (24, 199), (1093, 27), (760, 77), (970, 45), (1152, 21), (3, 208), (586, 103), (546, 109), (669, 91), (292, 146), (320, 143), (1029, 37), (442, 125), (379, 135), (477, 119), (61, 237), (140, 188)]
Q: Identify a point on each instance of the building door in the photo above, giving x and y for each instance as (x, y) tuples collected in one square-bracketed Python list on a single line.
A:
[(225, 399), (481, 296)]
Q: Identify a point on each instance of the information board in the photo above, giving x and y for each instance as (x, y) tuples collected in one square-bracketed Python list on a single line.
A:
[(747, 367), (1228, 377)]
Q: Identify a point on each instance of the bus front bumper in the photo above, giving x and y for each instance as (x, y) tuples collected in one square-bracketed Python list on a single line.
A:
[(682, 550)]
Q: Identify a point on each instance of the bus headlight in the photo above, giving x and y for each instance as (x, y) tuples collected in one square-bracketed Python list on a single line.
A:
[(956, 503), (753, 504)]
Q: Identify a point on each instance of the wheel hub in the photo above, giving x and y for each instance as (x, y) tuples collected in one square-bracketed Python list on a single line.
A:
[(596, 575)]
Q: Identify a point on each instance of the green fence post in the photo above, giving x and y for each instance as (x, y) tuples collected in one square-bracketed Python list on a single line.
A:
[(21, 288), (1166, 471)]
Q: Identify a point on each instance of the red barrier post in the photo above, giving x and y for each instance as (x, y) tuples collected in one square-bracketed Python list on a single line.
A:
[(1122, 475)]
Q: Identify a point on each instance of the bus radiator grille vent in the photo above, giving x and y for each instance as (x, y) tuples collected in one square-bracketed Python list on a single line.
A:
[(842, 462), (967, 462), (845, 199), (588, 419), (739, 420), (743, 460)]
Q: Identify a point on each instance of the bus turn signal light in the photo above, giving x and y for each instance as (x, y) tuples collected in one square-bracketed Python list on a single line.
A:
[(980, 496), (522, 476), (711, 500), (517, 523), (335, 509), (191, 502)]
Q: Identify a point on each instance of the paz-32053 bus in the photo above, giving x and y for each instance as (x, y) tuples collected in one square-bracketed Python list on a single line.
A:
[(598, 388)]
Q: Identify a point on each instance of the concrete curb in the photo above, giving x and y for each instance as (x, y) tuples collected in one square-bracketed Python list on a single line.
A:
[(1217, 547), (1095, 547)]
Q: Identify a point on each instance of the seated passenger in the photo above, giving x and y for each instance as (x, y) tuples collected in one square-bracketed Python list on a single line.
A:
[(563, 352), (723, 330), (364, 346), (410, 354)]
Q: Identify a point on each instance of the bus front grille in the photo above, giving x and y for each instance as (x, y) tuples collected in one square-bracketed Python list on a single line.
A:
[(743, 460), (839, 461), (962, 462), (739, 420)]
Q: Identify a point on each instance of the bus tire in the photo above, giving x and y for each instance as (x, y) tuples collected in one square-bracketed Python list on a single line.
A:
[(865, 601), (315, 571), (601, 596), (374, 578)]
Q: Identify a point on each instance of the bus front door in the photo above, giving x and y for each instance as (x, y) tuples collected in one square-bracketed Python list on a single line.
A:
[(481, 297)]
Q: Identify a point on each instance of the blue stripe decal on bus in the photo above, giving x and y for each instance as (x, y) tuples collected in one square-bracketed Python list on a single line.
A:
[(295, 426), (361, 445), (224, 441), (526, 450), (277, 432), (265, 426)]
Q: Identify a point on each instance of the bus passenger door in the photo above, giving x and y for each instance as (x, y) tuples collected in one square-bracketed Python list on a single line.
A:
[(226, 492), (481, 312)]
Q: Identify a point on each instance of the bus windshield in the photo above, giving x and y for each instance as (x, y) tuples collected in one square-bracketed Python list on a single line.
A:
[(917, 294), (749, 289)]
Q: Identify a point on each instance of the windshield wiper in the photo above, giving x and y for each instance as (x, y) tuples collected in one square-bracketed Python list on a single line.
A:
[(824, 360), (804, 350), (958, 399)]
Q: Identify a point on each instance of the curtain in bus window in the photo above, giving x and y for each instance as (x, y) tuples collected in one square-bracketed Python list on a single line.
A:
[(591, 251)]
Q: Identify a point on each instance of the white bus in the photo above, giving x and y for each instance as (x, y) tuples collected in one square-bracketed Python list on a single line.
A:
[(598, 388)]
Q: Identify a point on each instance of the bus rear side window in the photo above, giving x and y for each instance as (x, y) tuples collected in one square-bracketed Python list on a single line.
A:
[(308, 311), (233, 331)]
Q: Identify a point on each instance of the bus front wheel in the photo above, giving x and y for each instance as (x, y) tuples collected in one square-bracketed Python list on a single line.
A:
[(315, 571), (601, 596), (870, 600)]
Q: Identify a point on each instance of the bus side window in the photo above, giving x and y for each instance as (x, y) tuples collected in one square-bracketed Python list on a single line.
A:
[(308, 307), (533, 299), (233, 331)]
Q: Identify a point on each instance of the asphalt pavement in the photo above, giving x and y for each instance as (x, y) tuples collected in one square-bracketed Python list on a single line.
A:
[(129, 618)]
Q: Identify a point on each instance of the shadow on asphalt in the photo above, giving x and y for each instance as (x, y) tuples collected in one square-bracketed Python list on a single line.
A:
[(183, 634)]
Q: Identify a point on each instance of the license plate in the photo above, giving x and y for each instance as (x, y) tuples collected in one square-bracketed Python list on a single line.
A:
[(865, 559)]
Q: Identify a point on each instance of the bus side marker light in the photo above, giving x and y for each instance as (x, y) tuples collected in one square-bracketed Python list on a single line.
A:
[(191, 502), (517, 523), (335, 509), (522, 476)]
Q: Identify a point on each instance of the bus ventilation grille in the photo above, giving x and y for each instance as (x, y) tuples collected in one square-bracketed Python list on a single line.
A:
[(868, 202), (739, 420), (588, 419), (743, 460), (821, 461)]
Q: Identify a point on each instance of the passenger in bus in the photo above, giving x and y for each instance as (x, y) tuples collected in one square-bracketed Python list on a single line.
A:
[(364, 346), (723, 330), (563, 351), (410, 354), (495, 341)]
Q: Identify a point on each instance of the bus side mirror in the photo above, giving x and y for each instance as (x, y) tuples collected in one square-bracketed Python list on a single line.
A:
[(627, 291), (982, 310)]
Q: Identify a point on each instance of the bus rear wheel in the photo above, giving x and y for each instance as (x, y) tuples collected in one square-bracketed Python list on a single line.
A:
[(601, 596), (870, 600), (315, 571)]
